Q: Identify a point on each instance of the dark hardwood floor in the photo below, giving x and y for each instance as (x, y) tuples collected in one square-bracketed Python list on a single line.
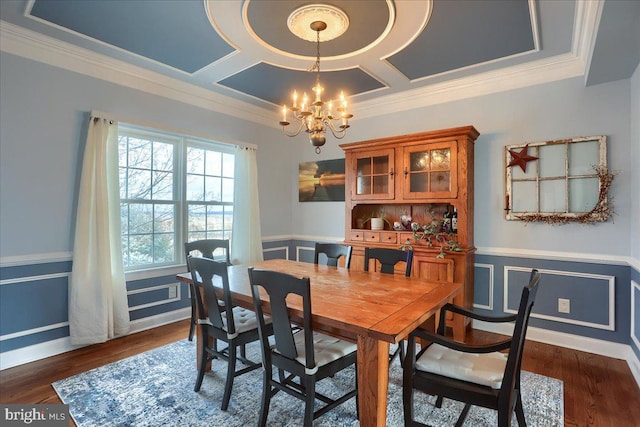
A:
[(598, 391)]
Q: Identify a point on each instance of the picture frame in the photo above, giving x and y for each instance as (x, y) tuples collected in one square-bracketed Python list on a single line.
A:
[(321, 181)]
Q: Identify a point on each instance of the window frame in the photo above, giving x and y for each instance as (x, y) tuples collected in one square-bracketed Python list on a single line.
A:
[(181, 143), (533, 175)]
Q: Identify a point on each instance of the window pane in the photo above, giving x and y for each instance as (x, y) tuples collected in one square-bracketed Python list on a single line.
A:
[(122, 150), (214, 163), (197, 218), (195, 188), (554, 160), (198, 235), (162, 186), (162, 156), (124, 219), (163, 218), (140, 249), (212, 185), (163, 249), (583, 194), (583, 156), (523, 197), (441, 159), (140, 218), (553, 196), (227, 190), (139, 154), (122, 178), (195, 160), (228, 217), (228, 164), (139, 184), (214, 218), (419, 161)]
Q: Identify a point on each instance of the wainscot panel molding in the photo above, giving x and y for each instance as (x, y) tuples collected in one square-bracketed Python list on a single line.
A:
[(606, 282), (478, 288)]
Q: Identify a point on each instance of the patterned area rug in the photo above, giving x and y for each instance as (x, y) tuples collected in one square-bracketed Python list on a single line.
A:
[(156, 389)]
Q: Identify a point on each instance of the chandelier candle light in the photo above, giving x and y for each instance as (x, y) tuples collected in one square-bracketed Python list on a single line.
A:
[(315, 117)]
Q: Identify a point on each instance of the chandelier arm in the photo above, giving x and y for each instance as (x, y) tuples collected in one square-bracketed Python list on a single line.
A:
[(297, 132), (338, 134)]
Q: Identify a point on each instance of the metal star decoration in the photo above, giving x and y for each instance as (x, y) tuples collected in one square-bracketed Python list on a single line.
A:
[(520, 158)]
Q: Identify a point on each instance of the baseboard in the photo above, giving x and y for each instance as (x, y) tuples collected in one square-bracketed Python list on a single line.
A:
[(21, 356), (561, 339), (634, 365), (160, 320), (35, 352)]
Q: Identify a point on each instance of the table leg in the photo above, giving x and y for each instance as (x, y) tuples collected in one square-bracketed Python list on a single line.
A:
[(373, 381)]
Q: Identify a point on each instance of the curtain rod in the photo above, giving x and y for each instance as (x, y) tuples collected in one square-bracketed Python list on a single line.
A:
[(151, 126)]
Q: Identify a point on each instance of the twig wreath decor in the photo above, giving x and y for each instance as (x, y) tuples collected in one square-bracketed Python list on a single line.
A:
[(601, 212)]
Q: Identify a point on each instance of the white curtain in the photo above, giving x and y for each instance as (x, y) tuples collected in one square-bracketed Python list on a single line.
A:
[(97, 290), (246, 240)]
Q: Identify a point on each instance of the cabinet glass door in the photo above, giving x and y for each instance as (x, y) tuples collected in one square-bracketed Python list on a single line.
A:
[(374, 175), (430, 171)]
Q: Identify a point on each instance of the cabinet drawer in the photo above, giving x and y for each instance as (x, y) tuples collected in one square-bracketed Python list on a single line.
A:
[(388, 237), (371, 236), (357, 235)]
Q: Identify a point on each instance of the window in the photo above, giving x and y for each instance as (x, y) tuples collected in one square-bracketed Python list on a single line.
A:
[(558, 181), (172, 189)]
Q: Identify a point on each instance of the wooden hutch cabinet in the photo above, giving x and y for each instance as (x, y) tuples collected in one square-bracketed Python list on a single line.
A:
[(424, 176)]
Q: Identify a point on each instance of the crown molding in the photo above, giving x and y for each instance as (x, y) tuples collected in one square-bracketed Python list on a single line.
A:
[(37, 47), (29, 44)]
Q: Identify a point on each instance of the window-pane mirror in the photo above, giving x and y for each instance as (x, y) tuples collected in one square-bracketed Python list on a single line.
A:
[(558, 181)]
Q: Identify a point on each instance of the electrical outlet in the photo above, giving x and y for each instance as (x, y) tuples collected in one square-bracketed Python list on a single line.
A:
[(173, 292), (564, 305)]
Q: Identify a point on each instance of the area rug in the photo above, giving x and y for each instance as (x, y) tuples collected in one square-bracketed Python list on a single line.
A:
[(156, 389)]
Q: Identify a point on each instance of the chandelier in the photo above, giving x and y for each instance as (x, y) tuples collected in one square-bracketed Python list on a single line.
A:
[(315, 116)]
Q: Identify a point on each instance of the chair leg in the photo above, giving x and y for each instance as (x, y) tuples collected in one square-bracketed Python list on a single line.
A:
[(243, 351), (194, 319), (463, 415), (504, 418), (201, 369), (520, 412), (310, 391), (407, 403), (266, 396), (231, 370), (439, 400)]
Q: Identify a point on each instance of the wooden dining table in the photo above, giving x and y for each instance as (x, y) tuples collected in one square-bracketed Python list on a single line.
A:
[(370, 308)]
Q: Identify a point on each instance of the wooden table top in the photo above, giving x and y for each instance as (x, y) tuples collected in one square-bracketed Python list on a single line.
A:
[(385, 307)]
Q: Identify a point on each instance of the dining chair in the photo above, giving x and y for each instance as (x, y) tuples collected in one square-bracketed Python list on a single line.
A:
[(304, 354), (236, 327), (388, 258), (479, 375), (207, 248), (333, 252)]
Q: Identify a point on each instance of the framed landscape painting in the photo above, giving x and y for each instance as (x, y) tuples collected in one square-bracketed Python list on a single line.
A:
[(321, 181)]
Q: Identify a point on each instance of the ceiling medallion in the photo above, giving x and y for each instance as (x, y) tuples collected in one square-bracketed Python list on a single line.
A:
[(300, 20)]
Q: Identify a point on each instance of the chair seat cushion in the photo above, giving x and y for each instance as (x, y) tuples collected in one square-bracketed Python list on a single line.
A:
[(326, 348), (244, 320), (485, 369)]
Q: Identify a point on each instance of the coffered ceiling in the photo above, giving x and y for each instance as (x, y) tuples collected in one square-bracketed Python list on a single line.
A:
[(396, 53)]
